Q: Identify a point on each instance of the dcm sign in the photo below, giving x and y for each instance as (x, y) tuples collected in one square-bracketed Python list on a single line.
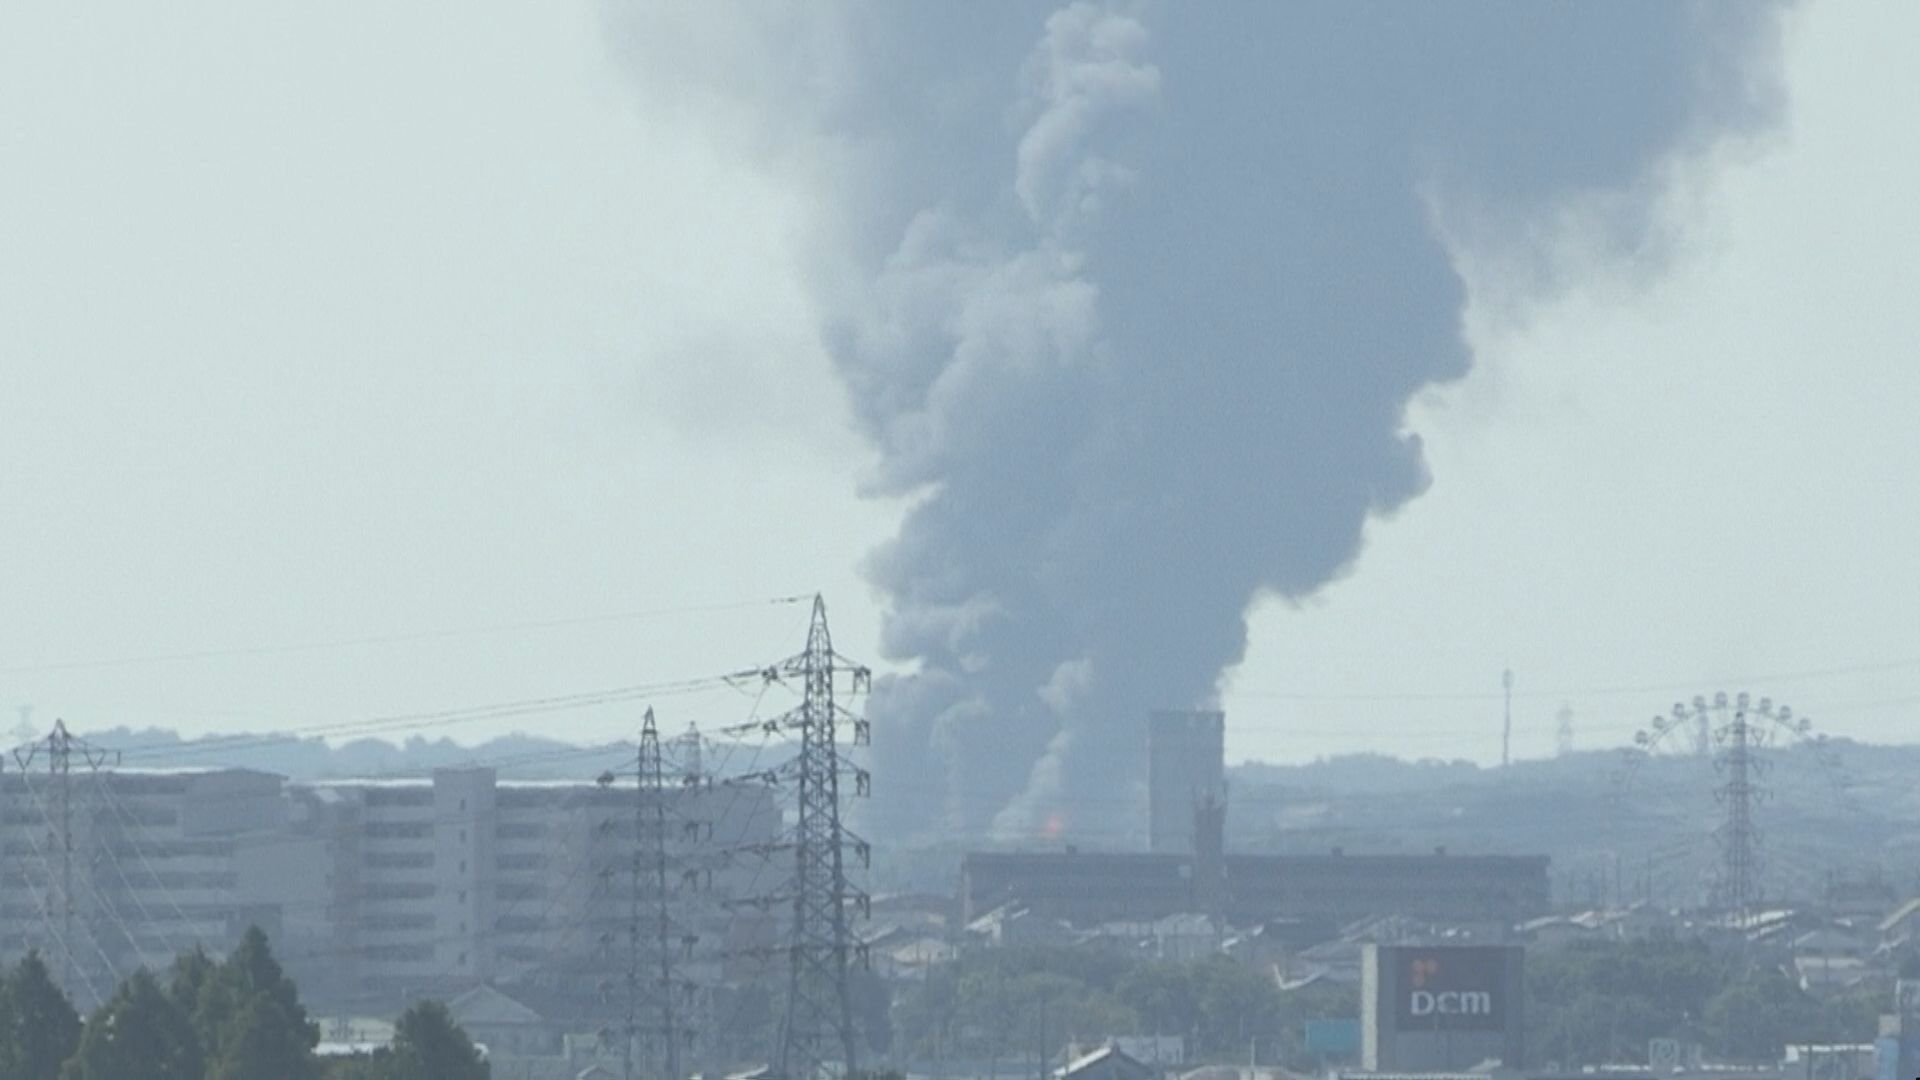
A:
[(1450, 1003), (1451, 989)]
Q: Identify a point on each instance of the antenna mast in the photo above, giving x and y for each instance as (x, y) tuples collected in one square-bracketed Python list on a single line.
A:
[(1506, 729)]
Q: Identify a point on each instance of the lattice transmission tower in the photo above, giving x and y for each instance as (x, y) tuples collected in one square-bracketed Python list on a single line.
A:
[(821, 948), (650, 925), (1739, 884), (659, 934), (59, 901)]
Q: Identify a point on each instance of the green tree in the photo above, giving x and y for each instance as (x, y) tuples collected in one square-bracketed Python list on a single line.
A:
[(188, 977), (1755, 1018), (1162, 996), (1602, 1001), (138, 1033), (38, 1025), (248, 1015), (1237, 1004), (428, 1045), (264, 1042), (1853, 1016)]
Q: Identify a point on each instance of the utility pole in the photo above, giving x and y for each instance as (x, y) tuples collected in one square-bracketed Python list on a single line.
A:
[(653, 797), (1563, 735), (1040, 1070), (821, 947)]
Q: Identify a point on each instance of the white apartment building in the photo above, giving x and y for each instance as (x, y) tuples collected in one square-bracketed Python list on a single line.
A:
[(104, 872), (441, 883), (377, 890)]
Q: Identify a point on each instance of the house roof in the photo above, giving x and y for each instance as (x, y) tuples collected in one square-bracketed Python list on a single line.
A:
[(1106, 1053), (1834, 967), (1826, 937), (1290, 983), (1899, 915), (1005, 913), (485, 1006)]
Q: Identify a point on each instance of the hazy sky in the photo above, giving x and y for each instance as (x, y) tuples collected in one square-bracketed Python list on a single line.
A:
[(323, 326)]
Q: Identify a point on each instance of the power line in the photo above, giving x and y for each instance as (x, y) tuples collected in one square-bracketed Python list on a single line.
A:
[(393, 639), (1604, 690)]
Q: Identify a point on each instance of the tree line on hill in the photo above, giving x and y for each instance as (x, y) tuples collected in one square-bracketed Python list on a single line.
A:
[(236, 1019), (1006, 1003), (1588, 1004), (1602, 1002)]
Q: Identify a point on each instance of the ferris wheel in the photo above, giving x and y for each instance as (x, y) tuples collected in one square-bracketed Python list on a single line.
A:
[(1734, 732)]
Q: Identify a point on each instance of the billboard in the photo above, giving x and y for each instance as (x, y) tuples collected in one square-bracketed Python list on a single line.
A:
[(1333, 1040), (1451, 989)]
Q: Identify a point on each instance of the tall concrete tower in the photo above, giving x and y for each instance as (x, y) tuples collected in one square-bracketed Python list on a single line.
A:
[(1186, 777)]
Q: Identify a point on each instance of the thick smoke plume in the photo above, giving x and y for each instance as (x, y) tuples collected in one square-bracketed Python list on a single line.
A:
[(1141, 294)]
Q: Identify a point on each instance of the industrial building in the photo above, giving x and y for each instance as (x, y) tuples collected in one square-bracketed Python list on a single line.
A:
[(1189, 871), (371, 889)]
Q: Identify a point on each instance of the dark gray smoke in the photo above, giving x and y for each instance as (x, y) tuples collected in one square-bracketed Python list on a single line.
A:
[(1142, 295)]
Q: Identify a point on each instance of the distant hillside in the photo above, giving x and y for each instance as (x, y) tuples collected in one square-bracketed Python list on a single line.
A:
[(527, 756), (517, 756), (1645, 832)]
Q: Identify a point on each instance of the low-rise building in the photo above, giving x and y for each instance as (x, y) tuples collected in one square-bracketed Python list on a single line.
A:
[(1087, 888)]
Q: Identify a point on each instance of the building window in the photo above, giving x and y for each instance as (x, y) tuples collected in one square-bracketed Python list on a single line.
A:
[(398, 860), (397, 830), (403, 796), (398, 890), (402, 953)]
